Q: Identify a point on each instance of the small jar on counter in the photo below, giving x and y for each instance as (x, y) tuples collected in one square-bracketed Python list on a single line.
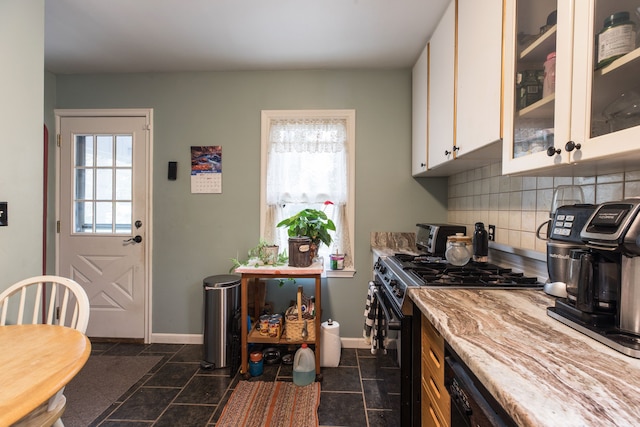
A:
[(458, 250)]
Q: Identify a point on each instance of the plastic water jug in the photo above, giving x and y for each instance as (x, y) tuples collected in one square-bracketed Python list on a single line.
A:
[(304, 366)]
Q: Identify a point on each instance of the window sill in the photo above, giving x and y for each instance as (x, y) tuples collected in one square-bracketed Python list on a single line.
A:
[(338, 273)]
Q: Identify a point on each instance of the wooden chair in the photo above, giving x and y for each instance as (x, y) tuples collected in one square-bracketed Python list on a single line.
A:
[(49, 300)]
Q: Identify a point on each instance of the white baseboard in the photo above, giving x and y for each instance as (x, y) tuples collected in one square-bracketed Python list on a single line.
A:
[(199, 339), (354, 343), (177, 338)]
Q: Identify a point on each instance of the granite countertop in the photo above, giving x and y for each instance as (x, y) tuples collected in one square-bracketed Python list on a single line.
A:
[(541, 371), (390, 243)]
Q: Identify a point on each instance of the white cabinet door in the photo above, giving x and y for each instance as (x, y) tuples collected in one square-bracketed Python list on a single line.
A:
[(611, 138), (536, 127), (419, 123), (479, 95), (441, 90)]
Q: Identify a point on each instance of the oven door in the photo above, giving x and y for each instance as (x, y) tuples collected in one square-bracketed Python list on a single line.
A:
[(393, 320), (408, 359)]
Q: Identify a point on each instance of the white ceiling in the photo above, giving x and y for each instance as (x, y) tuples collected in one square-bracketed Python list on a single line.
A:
[(117, 36)]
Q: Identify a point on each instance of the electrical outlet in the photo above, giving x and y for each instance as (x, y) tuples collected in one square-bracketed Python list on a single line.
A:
[(492, 232), (3, 214)]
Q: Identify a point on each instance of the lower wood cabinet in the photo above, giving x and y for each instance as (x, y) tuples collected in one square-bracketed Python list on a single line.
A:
[(436, 402)]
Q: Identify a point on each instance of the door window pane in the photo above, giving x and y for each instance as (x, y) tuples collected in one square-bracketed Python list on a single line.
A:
[(83, 214), (123, 217), (104, 184), (123, 184), (104, 217), (104, 150), (84, 183), (84, 150), (124, 150)]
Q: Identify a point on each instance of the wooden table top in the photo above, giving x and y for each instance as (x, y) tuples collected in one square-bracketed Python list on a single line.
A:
[(35, 362), (280, 270)]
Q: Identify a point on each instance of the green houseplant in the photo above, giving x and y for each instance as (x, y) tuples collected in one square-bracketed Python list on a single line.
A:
[(311, 223), (263, 254)]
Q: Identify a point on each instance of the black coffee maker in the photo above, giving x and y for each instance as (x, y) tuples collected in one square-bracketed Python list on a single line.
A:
[(603, 289)]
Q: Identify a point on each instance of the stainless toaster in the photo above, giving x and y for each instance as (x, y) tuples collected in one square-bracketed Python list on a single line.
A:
[(432, 238)]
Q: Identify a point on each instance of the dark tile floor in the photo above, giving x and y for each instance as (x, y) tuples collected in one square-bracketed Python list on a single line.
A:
[(363, 391)]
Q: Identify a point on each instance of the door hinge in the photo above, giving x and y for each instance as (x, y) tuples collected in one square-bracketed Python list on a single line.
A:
[(58, 138), (58, 226)]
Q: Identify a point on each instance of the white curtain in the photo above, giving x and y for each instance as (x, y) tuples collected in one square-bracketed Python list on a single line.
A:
[(307, 166)]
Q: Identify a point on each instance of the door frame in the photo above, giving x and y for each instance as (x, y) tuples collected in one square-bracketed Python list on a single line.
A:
[(147, 113)]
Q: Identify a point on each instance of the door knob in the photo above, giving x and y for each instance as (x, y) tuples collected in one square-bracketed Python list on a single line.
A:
[(136, 239)]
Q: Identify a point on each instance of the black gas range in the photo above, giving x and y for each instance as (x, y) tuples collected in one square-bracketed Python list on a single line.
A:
[(394, 275), (402, 271)]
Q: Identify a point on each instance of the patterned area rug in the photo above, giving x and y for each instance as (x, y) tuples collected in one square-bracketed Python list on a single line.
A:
[(271, 404)]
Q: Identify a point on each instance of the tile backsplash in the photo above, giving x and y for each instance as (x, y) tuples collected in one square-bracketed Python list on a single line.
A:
[(517, 205)]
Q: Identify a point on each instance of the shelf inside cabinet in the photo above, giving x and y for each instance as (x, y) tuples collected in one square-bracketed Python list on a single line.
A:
[(542, 109), (541, 47), (621, 67), (614, 79)]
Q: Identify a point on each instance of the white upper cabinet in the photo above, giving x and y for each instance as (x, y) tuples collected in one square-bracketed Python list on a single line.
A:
[(419, 122), (572, 128), (462, 69), (441, 90), (479, 95)]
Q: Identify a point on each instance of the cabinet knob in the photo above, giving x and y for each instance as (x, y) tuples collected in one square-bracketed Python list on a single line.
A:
[(569, 146), (422, 165), (551, 151), (454, 149)]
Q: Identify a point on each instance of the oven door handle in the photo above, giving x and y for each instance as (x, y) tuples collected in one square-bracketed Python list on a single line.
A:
[(392, 322)]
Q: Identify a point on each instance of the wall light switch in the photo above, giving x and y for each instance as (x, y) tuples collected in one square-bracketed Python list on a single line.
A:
[(3, 214)]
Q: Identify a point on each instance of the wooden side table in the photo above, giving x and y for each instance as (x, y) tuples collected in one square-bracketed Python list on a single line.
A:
[(284, 272)]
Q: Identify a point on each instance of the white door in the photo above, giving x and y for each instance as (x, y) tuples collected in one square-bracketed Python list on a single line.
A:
[(103, 225)]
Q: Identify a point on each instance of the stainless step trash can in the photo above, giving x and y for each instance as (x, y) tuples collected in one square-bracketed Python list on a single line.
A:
[(221, 301)]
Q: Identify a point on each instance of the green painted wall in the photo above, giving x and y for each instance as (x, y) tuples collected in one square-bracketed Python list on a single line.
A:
[(21, 142), (195, 235)]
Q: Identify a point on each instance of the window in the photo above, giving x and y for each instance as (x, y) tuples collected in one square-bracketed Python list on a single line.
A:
[(307, 159), (103, 184)]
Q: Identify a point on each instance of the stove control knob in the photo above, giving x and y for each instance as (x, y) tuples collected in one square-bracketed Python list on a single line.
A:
[(382, 269)]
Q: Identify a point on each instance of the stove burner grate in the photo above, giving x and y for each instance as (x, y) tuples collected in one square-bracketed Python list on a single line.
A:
[(433, 271)]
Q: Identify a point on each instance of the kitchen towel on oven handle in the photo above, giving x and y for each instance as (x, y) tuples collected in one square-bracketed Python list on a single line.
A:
[(374, 332)]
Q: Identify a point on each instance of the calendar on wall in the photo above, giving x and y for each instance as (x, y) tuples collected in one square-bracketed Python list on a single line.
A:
[(206, 169)]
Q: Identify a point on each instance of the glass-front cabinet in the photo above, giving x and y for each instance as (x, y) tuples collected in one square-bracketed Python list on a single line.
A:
[(572, 80)]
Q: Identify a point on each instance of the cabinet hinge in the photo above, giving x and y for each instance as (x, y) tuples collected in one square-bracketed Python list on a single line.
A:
[(58, 226)]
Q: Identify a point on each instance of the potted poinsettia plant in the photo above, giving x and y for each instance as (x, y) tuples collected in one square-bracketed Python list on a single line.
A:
[(311, 223)]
